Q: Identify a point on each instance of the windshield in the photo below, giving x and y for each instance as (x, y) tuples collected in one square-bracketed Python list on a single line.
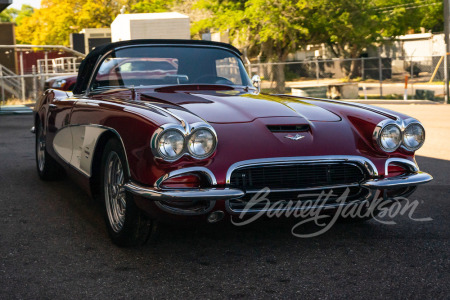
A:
[(162, 65)]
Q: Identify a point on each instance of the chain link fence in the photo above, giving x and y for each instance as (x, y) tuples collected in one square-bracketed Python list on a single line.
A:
[(362, 78), (368, 77)]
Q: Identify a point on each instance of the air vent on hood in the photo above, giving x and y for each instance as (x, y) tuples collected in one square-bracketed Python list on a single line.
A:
[(288, 128)]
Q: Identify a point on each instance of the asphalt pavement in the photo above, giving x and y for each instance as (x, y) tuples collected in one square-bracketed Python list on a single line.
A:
[(53, 245)]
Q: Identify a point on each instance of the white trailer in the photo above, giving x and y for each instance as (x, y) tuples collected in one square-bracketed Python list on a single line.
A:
[(169, 25)]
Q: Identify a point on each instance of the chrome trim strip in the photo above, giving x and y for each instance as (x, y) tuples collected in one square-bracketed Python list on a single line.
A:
[(179, 119), (398, 181), (364, 162), (412, 166)]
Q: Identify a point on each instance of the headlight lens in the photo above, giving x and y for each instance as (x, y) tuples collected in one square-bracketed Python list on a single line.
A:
[(414, 136), (390, 138), (202, 143), (59, 83), (171, 144)]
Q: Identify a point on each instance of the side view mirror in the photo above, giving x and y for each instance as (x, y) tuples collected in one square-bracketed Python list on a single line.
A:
[(256, 80)]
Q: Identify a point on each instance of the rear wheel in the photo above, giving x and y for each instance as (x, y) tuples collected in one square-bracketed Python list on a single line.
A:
[(126, 224), (47, 167)]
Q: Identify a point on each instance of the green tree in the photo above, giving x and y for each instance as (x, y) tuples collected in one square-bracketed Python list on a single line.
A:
[(8, 15), (267, 28), (56, 19)]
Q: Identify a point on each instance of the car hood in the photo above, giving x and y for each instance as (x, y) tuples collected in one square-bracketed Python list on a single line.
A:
[(231, 107)]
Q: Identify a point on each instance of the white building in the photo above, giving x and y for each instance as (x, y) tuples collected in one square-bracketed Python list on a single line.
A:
[(170, 25)]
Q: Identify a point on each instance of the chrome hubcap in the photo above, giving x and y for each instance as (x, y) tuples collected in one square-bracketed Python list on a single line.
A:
[(40, 148), (114, 192)]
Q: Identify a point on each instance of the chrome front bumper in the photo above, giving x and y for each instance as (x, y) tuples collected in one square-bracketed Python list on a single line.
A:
[(210, 194), (398, 181), (167, 200), (163, 198)]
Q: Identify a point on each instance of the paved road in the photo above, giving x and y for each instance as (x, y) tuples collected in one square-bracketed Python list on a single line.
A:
[(53, 244)]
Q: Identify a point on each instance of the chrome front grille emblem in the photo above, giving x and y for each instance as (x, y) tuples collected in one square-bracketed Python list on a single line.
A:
[(296, 137)]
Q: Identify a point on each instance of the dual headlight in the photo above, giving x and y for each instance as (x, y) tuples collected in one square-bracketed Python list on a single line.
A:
[(172, 143), (390, 137)]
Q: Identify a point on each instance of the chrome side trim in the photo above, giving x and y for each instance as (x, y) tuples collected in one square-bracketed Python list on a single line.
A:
[(398, 181), (412, 166), (362, 161), (166, 111), (206, 171), (76, 145)]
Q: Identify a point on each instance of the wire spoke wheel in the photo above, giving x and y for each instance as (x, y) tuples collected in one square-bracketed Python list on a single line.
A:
[(114, 192)]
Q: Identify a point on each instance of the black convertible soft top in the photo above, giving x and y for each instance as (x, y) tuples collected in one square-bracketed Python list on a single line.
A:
[(88, 64)]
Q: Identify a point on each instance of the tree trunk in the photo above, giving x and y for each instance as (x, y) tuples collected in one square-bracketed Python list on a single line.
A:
[(280, 78), (353, 73)]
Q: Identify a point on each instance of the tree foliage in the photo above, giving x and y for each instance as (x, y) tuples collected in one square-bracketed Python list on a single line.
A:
[(56, 19), (268, 29), (15, 15)]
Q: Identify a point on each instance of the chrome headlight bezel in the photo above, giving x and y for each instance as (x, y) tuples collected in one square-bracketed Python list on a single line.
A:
[(402, 126), (378, 134), (213, 140), (187, 131), (158, 144), (405, 144)]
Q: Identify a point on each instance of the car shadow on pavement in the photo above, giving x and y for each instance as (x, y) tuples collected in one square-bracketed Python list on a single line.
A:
[(263, 232)]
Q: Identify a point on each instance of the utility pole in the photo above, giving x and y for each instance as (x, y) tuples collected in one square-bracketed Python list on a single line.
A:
[(447, 48)]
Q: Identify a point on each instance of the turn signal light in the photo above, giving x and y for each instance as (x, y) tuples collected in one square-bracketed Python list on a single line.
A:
[(394, 170), (182, 181)]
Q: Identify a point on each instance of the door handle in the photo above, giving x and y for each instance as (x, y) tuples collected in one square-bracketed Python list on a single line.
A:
[(52, 106)]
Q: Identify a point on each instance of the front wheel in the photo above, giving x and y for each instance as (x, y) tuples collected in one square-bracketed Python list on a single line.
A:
[(47, 167), (126, 224)]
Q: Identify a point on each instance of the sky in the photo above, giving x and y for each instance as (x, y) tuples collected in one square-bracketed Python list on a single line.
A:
[(18, 3)]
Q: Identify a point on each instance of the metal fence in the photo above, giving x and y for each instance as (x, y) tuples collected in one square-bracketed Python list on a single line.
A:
[(323, 78), (371, 77)]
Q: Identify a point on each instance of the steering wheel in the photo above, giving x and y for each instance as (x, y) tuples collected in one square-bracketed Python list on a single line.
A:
[(212, 79)]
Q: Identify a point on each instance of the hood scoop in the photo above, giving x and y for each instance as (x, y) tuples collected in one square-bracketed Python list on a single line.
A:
[(288, 128)]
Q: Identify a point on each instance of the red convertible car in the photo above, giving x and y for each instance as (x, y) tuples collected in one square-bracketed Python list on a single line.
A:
[(200, 141)]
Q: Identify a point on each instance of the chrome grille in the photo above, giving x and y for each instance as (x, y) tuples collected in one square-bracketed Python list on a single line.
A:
[(296, 176), (298, 182)]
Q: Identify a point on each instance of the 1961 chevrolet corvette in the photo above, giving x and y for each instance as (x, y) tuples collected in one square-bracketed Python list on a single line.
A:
[(163, 129)]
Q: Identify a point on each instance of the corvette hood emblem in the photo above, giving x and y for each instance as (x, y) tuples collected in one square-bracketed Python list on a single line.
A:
[(296, 137)]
